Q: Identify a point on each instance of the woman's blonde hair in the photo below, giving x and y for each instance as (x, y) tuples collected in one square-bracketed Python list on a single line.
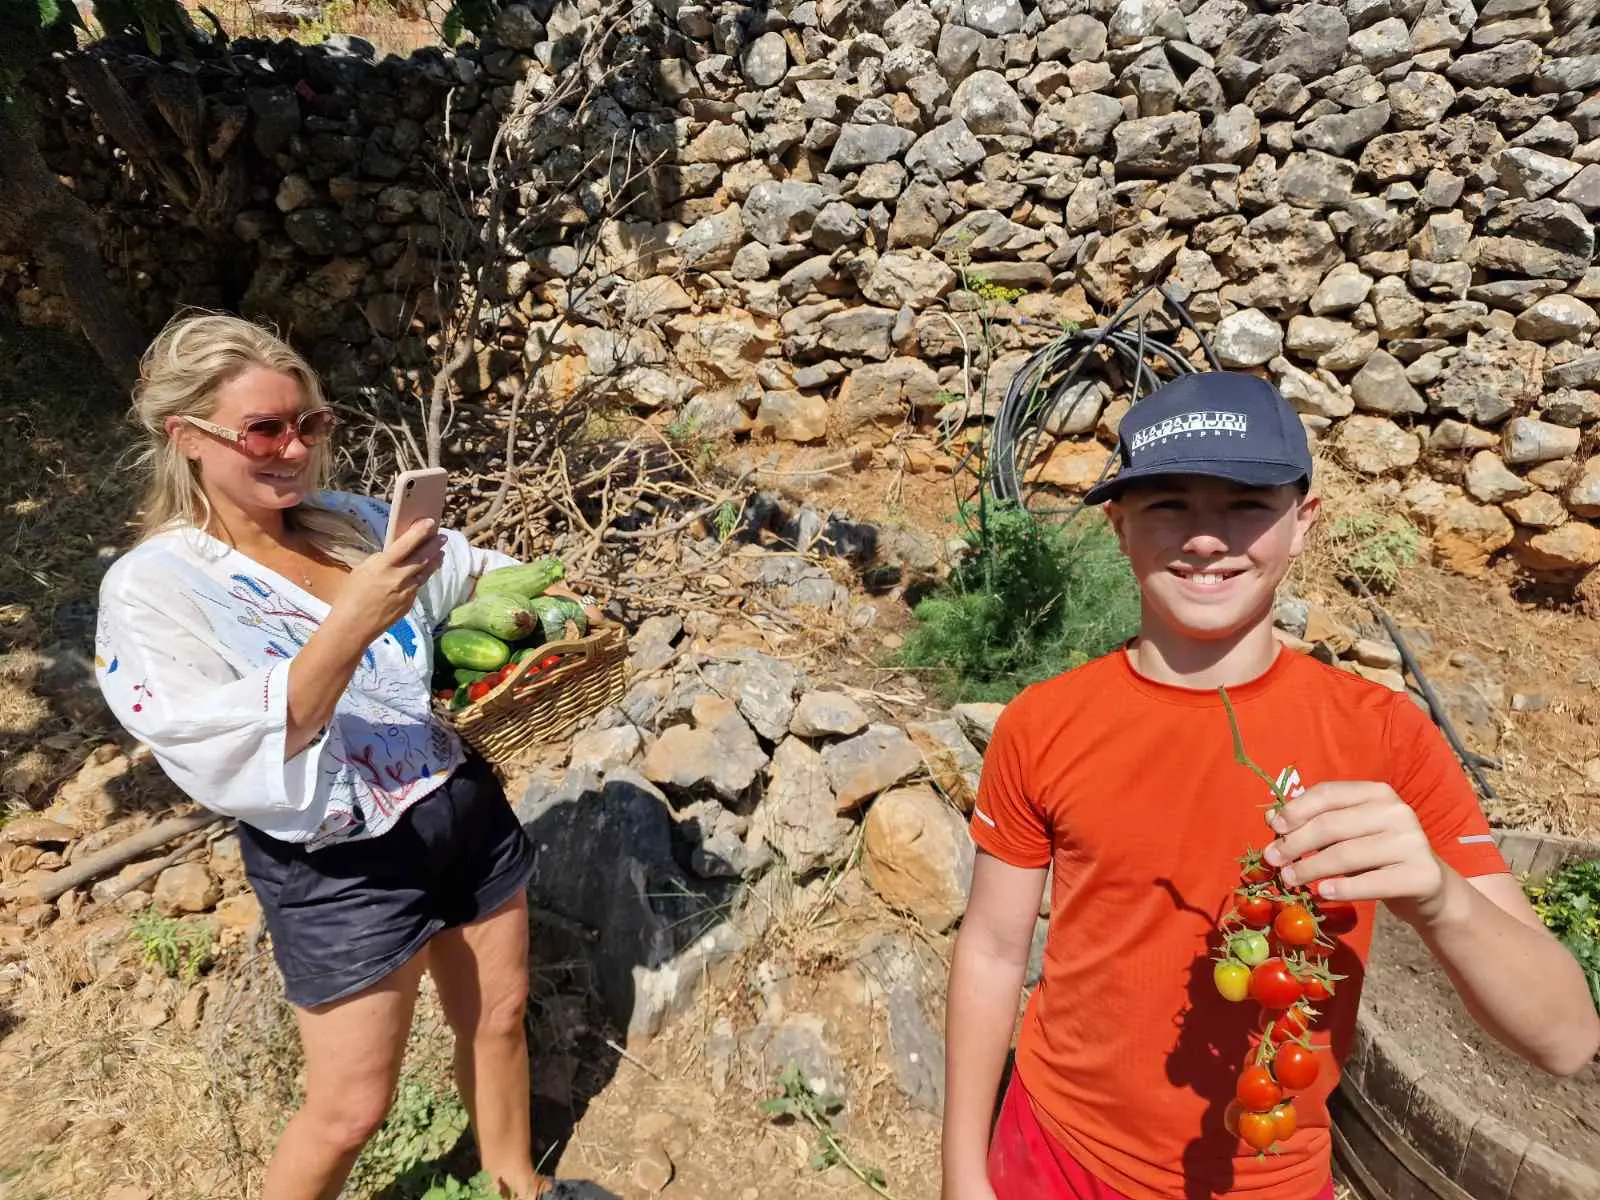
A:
[(179, 376)]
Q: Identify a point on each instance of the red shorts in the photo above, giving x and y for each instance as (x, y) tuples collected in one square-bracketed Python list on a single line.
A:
[(1027, 1163)]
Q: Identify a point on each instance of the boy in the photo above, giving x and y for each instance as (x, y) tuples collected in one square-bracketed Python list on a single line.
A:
[(1121, 775)]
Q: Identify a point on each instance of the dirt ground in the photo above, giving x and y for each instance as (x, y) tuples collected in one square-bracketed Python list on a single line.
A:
[(97, 1097)]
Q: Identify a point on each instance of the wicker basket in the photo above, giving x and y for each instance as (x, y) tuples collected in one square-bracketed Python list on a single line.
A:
[(525, 709)]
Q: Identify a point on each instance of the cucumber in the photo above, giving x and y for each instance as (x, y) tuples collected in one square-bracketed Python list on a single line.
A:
[(524, 654), (474, 649), (524, 582), (466, 675)]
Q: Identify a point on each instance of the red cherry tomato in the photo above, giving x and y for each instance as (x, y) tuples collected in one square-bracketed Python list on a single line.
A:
[(1295, 925), (1338, 916), (1320, 950), (1317, 989), (1252, 869), (1288, 1025), (1273, 984), (1283, 1121), (1257, 1091), (1254, 910), (478, 689), (548, 661), (1257, 1129), (1296, 1067)]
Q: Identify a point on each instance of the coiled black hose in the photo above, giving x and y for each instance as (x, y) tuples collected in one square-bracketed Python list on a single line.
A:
[(1057, 369)]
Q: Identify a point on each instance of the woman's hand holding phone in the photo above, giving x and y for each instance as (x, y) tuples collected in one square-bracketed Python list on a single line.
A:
[(383, 588)]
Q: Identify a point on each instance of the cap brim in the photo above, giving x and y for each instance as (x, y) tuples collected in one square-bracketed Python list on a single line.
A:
[(1247, 473)]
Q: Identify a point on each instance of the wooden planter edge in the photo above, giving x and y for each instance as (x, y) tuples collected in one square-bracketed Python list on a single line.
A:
[(1385, 1095)]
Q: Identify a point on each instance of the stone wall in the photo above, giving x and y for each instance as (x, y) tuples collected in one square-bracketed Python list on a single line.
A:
[(1385, 205)]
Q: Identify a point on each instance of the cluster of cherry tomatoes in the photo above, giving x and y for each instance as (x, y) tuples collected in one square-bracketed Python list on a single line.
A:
[(479, 688), (1275, 949)]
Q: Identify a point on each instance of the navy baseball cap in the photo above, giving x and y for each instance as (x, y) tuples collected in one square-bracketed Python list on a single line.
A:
[(1223, 424)]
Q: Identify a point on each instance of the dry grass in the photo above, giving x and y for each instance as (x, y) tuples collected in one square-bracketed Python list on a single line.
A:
[(64, 495), (95, 1098), (380, 22), (802, 961)]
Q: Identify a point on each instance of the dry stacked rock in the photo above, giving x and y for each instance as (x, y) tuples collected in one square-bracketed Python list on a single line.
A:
[(1385, 205)]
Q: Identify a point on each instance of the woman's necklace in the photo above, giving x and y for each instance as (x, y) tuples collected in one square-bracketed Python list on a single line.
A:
[(305, 576)]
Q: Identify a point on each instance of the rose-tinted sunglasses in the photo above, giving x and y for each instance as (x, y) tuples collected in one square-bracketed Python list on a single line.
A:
[(266, 437)]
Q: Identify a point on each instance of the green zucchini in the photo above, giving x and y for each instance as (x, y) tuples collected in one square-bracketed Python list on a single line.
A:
[(505, 617), (524, 581)]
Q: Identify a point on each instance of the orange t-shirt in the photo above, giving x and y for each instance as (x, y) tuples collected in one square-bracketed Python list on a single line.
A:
[(1130, 789)]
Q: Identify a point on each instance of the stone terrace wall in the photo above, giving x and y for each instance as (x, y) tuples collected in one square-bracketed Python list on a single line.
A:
[(1385, 205)]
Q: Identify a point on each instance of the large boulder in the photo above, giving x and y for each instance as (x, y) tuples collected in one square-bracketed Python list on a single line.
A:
[(917, 855), (885, 394), (1279, 259), (719, 756), (868, 763), (797, 815), (1376, 445), (643, 929)]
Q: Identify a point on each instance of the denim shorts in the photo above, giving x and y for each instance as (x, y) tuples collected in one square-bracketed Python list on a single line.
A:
[(344, 916)]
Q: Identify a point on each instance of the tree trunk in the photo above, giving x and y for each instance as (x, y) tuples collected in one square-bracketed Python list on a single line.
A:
[(42, 217)]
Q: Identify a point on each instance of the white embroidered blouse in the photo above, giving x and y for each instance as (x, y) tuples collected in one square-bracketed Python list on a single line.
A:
[(192, 651)]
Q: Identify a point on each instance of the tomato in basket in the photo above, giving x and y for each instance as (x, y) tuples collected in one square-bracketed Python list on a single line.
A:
[(478, 690), (548, 661)]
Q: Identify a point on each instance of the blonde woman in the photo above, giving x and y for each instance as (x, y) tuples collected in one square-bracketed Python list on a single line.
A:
[(277, 661)]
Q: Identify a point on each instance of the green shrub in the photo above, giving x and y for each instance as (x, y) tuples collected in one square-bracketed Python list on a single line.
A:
[(1034, 599), (1569, 905), (1374, 548), (182, 949), (405, 1157), (479, 1187)]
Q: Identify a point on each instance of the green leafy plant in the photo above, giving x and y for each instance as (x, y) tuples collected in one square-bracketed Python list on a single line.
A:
[(727, 519), (479, 1187), (1034, 599), (423, 1126), (182, 949), (332, 18), (685, 433), (993, 293), (1569, 905), (468, 16), (1374, 548), (797, 1101)]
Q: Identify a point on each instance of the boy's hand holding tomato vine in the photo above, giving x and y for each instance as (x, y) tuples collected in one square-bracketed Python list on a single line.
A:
[(1349, 841)]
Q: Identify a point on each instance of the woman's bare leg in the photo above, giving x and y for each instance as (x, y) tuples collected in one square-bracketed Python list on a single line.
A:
[(353, 1049), (481, 971)]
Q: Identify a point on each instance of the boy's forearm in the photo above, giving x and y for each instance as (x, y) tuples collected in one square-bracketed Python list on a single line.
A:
[(1491, 957), (980, 1014)]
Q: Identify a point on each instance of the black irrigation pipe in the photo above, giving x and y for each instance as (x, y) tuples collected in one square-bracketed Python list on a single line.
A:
[(1472, 762), (1036, 390)]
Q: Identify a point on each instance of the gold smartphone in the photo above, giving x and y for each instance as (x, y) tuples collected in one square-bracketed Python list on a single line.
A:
[(418, 496)]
